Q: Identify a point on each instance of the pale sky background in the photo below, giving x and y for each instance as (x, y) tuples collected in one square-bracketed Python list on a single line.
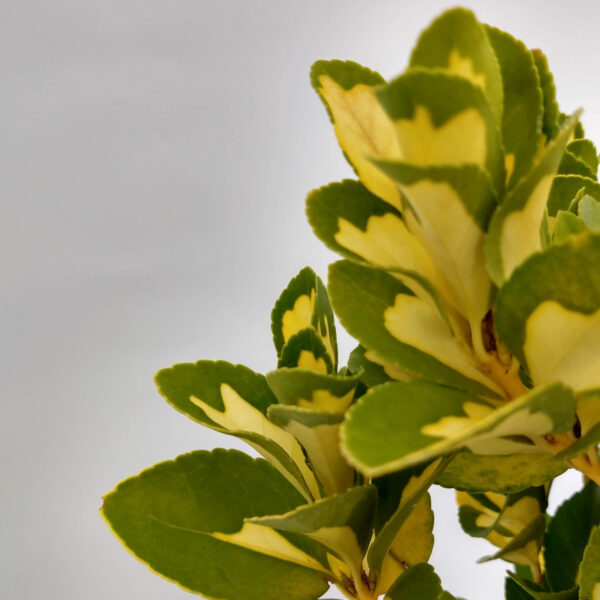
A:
[(155, 160)]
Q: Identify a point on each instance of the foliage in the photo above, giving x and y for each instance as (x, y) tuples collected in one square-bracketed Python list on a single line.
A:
[(469, 278)]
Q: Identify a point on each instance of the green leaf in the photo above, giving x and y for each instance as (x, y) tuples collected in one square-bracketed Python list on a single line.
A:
[(304, 304), (502, 474), (361, 125), (384, 316), (548, 313), (342, 523), (550, 123), (185, 520), (523, 103), (373, 370), (319, 435), (573, 165), (564, 189), (514, 231), (567, 536), (457, 42), (442, 119), (589, 580), (403, 522), (460, 195), (309, 389), (399, 424), (513, 591), (352, 221), (306, 350), (418, 583), (233, 399), (537, 593), (585, 151), (567, 224), (589, 212)]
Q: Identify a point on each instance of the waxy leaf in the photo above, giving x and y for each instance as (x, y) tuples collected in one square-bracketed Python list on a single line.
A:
[(319, 435), (589, 579), (418, 583), (567, 536), (185, 520), (458, 43), (443, 119), (233, 399), (523, 104), (341, 523), (399, 327), (548, 313), (502, 474), (307, 351), (304, 305), (399, 424), (361, 125), (514, 231)]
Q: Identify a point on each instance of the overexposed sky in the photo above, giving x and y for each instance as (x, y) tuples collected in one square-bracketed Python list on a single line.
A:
[(155, 160)]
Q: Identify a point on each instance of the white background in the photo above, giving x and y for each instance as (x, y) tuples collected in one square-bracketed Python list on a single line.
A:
[(155, 160)]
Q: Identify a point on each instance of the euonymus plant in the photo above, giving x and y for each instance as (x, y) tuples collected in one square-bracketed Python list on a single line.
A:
[(471, 280)]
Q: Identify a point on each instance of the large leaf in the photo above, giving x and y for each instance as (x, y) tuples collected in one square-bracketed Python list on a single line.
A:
[(514, 231), (548, 313), (418, 583), (185, 520), (457, 42), (341, 523), (443, 119), (568, 535), (319, 434), (589, 579), (450, 207), (523, 109), (403, 523), (361, 125), (399, 327), (352, 221), (304, 305), (502, 474), (233, 399), (399, 424)]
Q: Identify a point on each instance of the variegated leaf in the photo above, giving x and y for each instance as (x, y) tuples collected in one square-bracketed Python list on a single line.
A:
[(457, 42), (375, 370), (418, 583), (399, 327), (443, 119), (514, 231), (304, 305), (523, 104), (403, 523), (342, 523), (565, 188), (319, 434), (308, 389), (361, 125), (586, 151), (502, 474), (175, 516), (399, 424), (551, 116), (306, 350), (548, 313), (233, 399)]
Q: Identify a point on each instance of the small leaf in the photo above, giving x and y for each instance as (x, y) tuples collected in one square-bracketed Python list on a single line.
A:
[(585, 151), (342, 523), (565, 187), (374, 370), (589, 212), (502, 474), (567, 224), (181, 518), (388, 320), (400, 424), (458, 43), (589, 579), (233, 399), (568, 534), (443, 119), (319, 435), (361, 125), (523, 103), (550, 123), (514, 231), (548, 313), (418, 583)]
